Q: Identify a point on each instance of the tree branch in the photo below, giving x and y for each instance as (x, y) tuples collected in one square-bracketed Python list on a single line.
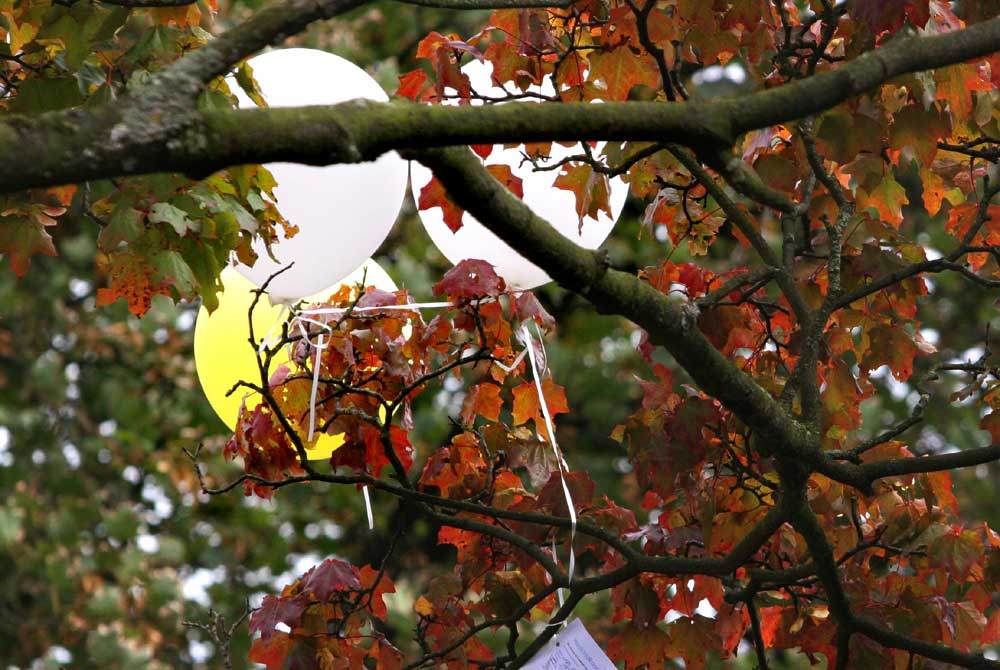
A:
[(159, 128), (670, 322), (142, 4)]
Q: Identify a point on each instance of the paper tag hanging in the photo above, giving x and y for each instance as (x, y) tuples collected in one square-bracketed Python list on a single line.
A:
[(570, 649)]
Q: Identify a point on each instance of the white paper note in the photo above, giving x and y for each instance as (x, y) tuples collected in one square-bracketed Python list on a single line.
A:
[(571, 649)]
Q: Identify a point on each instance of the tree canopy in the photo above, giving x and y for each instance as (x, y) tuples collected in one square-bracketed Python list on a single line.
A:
[(763, 417)]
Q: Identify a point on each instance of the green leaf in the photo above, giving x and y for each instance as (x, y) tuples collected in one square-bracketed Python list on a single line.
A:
[(23, 236), (124, 226), (164, 212), (172, 267), (40, 94)]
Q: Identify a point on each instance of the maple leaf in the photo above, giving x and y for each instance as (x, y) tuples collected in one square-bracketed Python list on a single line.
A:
[(589, 188), (958, 550), (23, 234), (379, 583), (622, 69), (690, 637), (553, 498), (329, 576), (387, 657), (471, 278), (916, 131), (275, 610), (412, 84), (777, 171), (133, 279), (894, 347), (502, 173), (526, 306), (639, 647), (887, 198), (527, 405), (272, 651), (434, 195), (483, 400)]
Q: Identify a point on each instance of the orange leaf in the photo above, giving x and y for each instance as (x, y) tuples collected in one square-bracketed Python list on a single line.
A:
[(589, 188), (24, 235), (484, 400), (434, 195), (621, 70), (887, 198), (273, 652)]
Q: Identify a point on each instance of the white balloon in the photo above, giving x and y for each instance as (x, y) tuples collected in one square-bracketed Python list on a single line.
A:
[(557, 206), (343, 212)]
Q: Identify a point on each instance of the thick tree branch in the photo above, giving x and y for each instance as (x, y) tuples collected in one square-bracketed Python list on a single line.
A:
[(142, 4), (862, 476), (490, 4), (670, 322), (82, 144), (937, 652)]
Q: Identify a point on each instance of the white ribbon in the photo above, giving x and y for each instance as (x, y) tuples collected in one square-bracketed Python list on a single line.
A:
[(529, 345), (269, 338)]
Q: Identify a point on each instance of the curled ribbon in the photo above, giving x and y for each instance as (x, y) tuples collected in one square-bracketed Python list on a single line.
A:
[(526, 339)]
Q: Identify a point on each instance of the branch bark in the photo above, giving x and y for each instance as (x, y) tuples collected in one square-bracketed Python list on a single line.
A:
[(159, 128)]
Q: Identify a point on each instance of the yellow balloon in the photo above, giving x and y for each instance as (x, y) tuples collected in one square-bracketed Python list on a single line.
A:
[(224, 356)]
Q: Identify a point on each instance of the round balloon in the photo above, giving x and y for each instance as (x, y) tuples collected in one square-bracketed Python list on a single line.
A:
[(557, 206), (223, 355), (343, 212)]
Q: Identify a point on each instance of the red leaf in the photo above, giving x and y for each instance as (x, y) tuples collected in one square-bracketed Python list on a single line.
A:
[(526, 306), (471, 278), (581, 490), (640, 647), (527, 405), (887, 198), (329, 576), (275, 610), (388, 657), (271, 652), (132, 279), (412, 84), (434, 195)]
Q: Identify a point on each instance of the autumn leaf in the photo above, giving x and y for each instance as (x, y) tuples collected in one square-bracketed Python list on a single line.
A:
[(482, 400), (639, 647), (329, 576), (528, 407), (589, 188), (620, 70), (380, 584), (275, 610), (502, 173), (471, 278), (887, 198), (132, 279), (22, 235), (271, 652), (916, 131), (434, 195), (412, 84)]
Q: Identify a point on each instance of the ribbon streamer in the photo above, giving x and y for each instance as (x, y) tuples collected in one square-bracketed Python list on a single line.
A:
[(524, 335), (529, 345)]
